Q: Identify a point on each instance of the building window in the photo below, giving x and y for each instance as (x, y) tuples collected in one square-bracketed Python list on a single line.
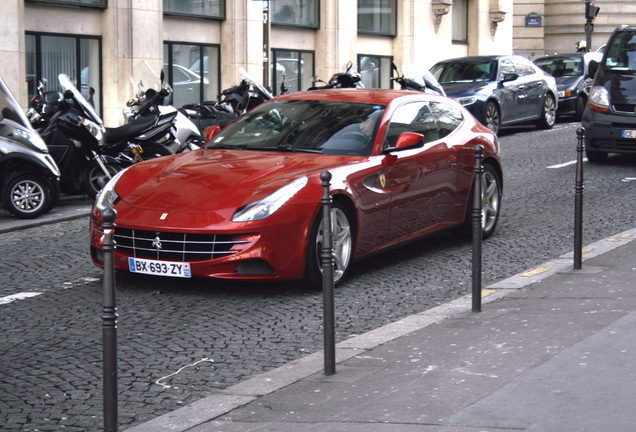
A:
[(212, 9), (297, 67), (377, 17), (460, 20), (375, 71), (79, 57), (295, 13), (75, 3), (193, 72)]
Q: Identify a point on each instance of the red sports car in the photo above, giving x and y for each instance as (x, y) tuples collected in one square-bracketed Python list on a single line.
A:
[(248, 205)]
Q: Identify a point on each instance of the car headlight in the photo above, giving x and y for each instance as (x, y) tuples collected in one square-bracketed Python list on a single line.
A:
[(267, 206), (467, 100), (108, 197), (599, 99)]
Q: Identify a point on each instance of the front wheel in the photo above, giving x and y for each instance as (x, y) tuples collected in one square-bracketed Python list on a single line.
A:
[(95, 178), (27, 195), (490, 203), (492, 117), (548, 113), (342, 244)]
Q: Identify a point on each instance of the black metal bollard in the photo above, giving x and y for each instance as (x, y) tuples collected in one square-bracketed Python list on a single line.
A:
[(327, 278), (578, 201), (109, 323), (477, 228)]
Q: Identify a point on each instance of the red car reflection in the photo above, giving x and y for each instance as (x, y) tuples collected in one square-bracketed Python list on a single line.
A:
[(248, 205)]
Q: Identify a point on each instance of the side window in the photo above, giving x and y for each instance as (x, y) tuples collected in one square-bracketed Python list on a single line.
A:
[(411, 117), (506, 68), (448, 117), (523, 69)]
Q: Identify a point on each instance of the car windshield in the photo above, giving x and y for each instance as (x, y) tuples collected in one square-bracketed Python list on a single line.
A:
[(466, 71), (621, 54), (328, 127), (561, 66)]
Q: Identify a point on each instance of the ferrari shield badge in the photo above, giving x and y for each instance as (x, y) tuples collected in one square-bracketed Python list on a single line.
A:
[(382, 179)]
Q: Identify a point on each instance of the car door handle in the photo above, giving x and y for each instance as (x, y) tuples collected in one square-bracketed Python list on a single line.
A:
[(522, 87)]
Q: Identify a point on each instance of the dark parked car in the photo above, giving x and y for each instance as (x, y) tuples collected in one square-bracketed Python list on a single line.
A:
[(500, 90), (610, 117), (570, 71)]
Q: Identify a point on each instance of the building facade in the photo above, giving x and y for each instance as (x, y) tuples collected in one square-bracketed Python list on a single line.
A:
[(200, 44), (544, 27)]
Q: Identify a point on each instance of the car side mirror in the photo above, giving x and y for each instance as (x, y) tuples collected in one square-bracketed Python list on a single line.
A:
[(409, 140), (591, 69), (509, 77), (211, 132)]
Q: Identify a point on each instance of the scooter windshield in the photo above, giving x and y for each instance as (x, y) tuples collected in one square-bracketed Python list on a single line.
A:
[(10, 109), (67, 84)]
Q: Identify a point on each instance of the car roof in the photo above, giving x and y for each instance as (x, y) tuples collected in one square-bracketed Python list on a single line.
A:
[(479, 58), (377, 96)]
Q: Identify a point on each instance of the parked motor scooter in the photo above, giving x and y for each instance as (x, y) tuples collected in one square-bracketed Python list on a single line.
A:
[(346, 79), (28, 174), (152, 120), (230, 104), (74, 135), (417, 80)]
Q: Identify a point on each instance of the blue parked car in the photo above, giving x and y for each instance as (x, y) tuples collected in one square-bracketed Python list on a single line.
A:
[(570, 71), (500, 90)]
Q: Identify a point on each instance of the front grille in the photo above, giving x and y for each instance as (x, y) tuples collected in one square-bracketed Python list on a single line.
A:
[(175, 246), (629, 109)]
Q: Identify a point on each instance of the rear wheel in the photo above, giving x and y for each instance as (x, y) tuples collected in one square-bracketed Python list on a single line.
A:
[(490, 203), (548, 113), (342, 241), (27, 195)]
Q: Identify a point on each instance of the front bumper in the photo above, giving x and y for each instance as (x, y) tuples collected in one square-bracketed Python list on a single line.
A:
[(604, 132)]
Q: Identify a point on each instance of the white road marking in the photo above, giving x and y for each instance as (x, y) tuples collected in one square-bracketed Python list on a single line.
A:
[(18, 296), (565, 164)]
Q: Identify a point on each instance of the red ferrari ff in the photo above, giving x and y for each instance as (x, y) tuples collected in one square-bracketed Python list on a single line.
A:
[(248, 205)]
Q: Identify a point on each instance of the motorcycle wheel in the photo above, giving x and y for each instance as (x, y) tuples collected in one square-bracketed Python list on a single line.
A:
[(26, 195), (95, 178)]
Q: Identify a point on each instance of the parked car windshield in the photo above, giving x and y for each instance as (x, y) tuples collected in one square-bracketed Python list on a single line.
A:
[(621, 54), (329, 127), (466, 71), (562, 66)]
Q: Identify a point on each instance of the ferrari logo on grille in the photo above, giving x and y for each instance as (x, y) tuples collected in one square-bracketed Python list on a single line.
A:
[(163, 216), (156, 243), (382, 179)]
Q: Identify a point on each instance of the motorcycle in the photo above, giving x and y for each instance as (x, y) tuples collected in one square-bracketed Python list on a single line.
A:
[(74, 135), (416, 80), (28, 174), (151, 121), (346, 79), (230, 104)]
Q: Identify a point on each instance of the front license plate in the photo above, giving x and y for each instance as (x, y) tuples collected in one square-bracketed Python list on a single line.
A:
[(159, 268), (629, 133)]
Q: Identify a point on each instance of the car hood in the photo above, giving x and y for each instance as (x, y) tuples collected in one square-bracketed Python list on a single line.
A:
[(461, 89), (567, 82), (209, 180), (621, 87)]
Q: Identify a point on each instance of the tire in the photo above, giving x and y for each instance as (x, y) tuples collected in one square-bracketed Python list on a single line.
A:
[(491, 203), (94, 178), (595, 156), (548, 113), (492, 117), (578, 109), (343, 239), (27, 195)]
